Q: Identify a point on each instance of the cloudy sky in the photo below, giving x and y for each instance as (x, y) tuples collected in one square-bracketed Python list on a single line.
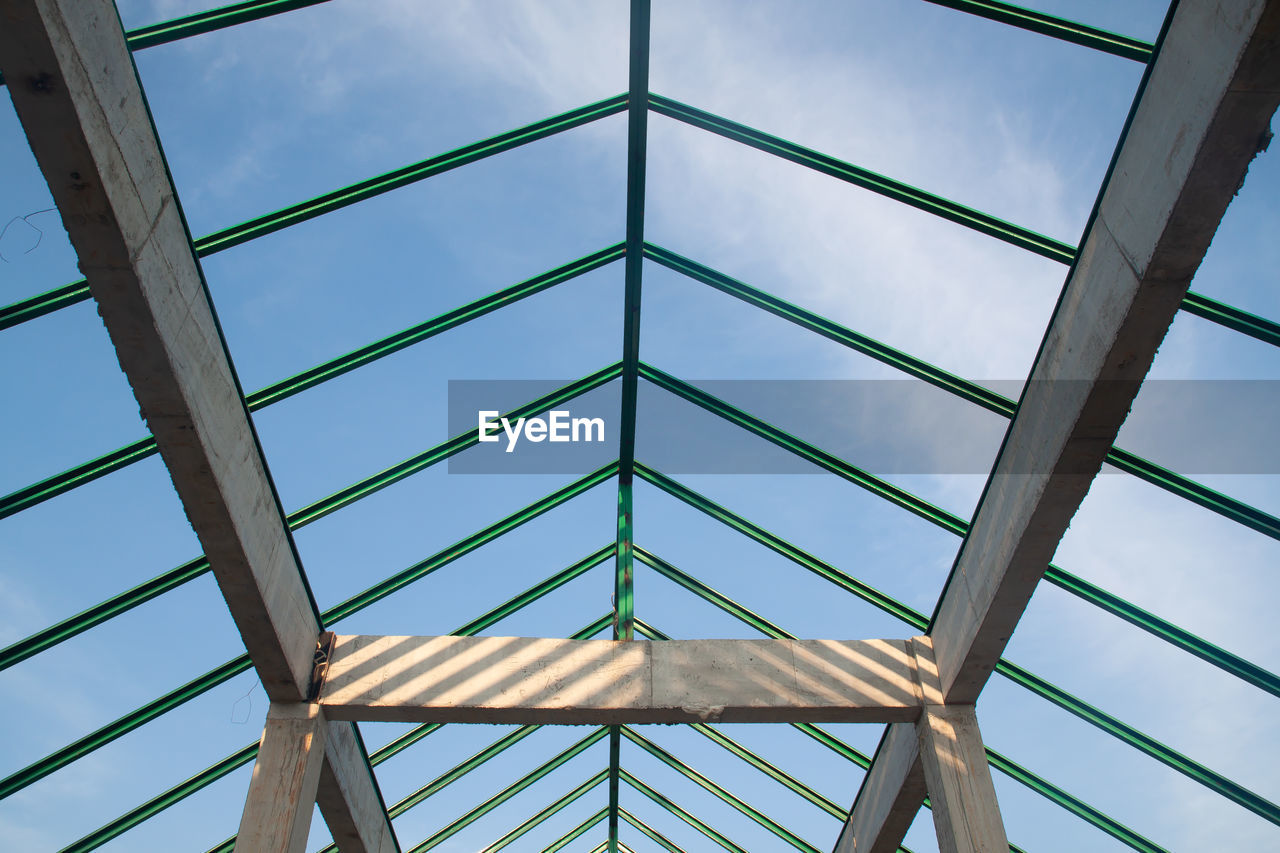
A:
[(270, 113)]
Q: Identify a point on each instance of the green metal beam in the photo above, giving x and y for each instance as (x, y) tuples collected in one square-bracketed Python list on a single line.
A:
[(118, 604), (577, 832), (78, 291), (773, 772), (1267, 331), (1059, 28), (511, 790), (536, 819), (143, 448), (1184, 487), (206, 22), (637, 148), (721, 793), (248, 753), (1054, 574), (1113, 726), (122, 726), (671, 806), (213, 19), (928, 202), (649, 832)]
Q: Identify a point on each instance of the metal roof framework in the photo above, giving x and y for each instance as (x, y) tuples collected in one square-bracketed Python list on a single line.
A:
[(637, 103)]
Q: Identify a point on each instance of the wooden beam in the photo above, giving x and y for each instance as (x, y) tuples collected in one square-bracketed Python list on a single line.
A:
[(286, 774), (76, 91), (535, 680), (1202, 117)]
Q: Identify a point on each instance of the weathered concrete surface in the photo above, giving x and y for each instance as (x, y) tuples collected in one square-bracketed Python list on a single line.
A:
[(348, 798), (965, 813), (277, 811), (1201, 120), (73, 84), (534, 680)]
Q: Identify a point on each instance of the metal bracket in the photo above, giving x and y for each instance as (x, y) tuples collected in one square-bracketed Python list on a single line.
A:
[(324, 653)]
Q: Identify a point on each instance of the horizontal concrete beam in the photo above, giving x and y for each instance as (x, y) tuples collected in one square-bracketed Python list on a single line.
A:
[(534, 680)]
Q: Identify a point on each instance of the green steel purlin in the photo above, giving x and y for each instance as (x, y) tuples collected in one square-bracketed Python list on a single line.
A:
[(577, 832), (679, 812), (803, 449), (1151, 747), (511, 790), (985, 223), (1184, 487), (718, 791), (1059, 28), (651, 833), (538, 818), (142, 448), (102, 736), (207, 22), (1055, 794), (1235, 319), (408, 739), (129, 599), (1120, 730), (637, 144), (78, 291), (238, 759), (823, 737), (1054, 574)]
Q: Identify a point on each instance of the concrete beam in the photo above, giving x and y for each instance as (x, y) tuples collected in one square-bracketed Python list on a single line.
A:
[(286, 774), (76, 91), (352, 808), (73, 83), (1202, 118), (534, 680), (965, 813)]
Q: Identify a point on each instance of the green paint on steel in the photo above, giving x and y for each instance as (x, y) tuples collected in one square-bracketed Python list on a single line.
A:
[(213, 19), (78, 291), (673, 808), (649, 832), (1184, 487), (968, 217), (118, 604), (144, 447), (243, 756), (129, 722), (803, 449), (624, 568), (538, 818), (1059, 28), (1054, 574), (721, 793), (510, 791), (577, 832), (1120, 730), (780, 776), (1235, 319)]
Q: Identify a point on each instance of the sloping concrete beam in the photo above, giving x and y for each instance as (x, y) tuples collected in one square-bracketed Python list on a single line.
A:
[(282, 792), (1202, 118), (76, 91), (534, 680)]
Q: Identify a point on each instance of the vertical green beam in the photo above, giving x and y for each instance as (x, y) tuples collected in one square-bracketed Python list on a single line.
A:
[(637, 139)]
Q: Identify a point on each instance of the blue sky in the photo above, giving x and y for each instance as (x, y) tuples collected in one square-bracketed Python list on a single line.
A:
[(269, 113)]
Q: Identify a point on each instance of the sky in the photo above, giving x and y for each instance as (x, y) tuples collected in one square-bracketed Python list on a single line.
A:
[(273, 112)]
